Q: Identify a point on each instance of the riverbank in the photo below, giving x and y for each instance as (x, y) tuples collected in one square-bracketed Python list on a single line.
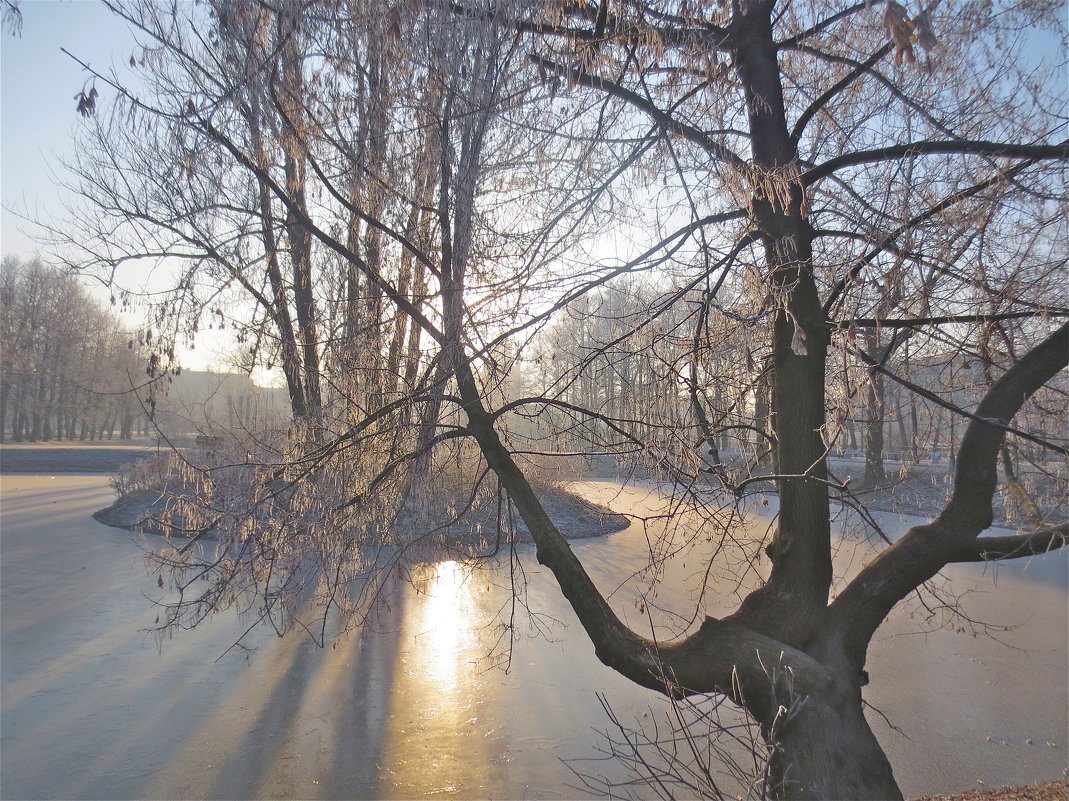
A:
[(577, 518), (924, 489), (142, 509), (1047, 791), (911, 488)]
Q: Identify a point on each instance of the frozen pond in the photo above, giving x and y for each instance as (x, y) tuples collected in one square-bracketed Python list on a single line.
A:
[(91, 708)]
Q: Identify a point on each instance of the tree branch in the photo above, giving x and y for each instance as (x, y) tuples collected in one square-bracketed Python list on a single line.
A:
[(849, 78), (939, 401), (947, 202), (953, 536), (661, 117), (974, 480), (918, 322), (293, 208), (722, 656), (1015, 546), (1058, 152), (826, 23)]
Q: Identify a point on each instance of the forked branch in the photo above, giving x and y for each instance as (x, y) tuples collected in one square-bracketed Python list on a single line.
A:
[(954, 535)]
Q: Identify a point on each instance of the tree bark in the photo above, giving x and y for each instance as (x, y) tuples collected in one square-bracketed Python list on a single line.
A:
[(826, 750), (291, 99), (792, 602), (876, 414)]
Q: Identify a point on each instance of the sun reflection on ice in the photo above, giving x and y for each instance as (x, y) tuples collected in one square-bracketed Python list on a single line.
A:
[(436, 743), (445, 624)]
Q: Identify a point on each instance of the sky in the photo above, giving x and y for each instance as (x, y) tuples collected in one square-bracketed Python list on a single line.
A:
[(38, 83), (38, 117)]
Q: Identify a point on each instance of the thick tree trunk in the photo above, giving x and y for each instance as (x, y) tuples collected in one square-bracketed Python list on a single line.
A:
[(793, 600), (826, 750)]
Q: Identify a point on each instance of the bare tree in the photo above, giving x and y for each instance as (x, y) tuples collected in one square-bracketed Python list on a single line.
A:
[(70, 368)]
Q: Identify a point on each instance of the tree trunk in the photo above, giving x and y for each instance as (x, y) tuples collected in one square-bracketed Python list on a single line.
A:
[(420, 471), (826, 750), (290, 357), (904, 436), (874, 469), (793, 600), (814, 718), (763, 418), (5, 390), (292, 97), (39, 410), (1026, 506)]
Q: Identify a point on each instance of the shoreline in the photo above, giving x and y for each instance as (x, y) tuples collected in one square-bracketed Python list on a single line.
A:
[(921, 493), (101, 456), (1040, 791)]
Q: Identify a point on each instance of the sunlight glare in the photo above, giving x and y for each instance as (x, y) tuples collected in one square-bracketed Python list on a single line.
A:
[(446, 622)]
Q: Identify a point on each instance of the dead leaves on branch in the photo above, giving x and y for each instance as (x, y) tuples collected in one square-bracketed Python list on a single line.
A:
[(924, 34), (87, 102), (905, 32)]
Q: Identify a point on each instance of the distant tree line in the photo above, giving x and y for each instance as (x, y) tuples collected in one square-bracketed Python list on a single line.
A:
[(67, 366), (603, 356)]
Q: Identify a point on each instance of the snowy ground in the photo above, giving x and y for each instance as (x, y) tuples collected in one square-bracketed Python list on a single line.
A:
[(414, 708)]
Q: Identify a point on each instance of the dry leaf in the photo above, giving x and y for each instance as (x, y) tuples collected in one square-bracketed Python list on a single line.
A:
[(900, 29), (924, 34)]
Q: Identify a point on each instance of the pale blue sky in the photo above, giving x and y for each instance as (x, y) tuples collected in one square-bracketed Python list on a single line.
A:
[(37, 106), (38, 116)]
